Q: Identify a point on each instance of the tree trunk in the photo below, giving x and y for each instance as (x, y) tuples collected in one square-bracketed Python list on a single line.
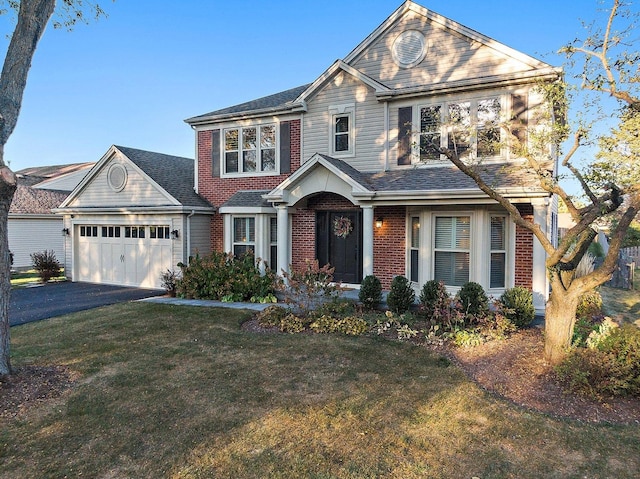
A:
[(7, 188), (560, 317)]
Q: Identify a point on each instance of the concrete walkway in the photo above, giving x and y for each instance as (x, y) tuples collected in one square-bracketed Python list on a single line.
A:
[(207, 303)]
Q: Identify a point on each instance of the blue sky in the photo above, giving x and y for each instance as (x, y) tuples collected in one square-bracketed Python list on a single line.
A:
[(132, 78)]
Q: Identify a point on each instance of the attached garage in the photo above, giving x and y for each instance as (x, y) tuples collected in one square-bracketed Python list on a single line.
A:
[(134, 217)]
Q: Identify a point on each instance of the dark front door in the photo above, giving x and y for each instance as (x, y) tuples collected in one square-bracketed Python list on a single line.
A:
[(339, 243)]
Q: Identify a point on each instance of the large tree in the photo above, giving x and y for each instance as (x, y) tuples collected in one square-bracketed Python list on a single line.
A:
[(602, 71), (31, 19)]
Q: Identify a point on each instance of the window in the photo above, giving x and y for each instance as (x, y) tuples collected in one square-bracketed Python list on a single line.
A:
[(341, 133), (469, 128), (341, 130), (89, 231), (415, 249), (111, 232), (498, 252), (159, 232), (134, 231), (452, 244), (250, 150), (273, 243), (244, 235)]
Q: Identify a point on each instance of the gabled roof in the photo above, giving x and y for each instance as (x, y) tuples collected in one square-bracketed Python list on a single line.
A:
[(174, 175), (283, 100), (51, 171), (34, 201)]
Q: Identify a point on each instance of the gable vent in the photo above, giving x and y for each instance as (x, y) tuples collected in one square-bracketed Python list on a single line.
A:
[(409, 48), (117, 177)]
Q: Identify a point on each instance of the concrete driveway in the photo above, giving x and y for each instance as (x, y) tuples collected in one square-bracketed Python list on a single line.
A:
[(55, 299)]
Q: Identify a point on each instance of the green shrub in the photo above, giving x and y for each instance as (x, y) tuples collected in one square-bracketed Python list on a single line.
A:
[(434, 297), (370, 294), (518, 303), (589, 305), (46, 264), (336, 308), (473, 300), (293, 324), (596, 250), (222, 276), (610, 368), (401, 296)]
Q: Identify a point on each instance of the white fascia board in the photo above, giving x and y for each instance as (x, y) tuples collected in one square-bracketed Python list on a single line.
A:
[(337, 66), (38, 216), (511, 79), (133, 210), (294, 107), (457, 195), (238, 210)]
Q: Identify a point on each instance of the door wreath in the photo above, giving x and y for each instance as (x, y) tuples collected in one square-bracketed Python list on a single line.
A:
[(342, 227)]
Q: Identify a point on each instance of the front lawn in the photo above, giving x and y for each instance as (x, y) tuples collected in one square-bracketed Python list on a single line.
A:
[(165, 391)]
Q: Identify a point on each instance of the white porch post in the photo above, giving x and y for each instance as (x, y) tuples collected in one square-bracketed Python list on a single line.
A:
[(367, 240), (283, 238), (540, 281)]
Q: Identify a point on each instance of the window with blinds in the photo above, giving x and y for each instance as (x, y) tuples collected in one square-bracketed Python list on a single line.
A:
[(414, 250), (244, 235), (452, 244)]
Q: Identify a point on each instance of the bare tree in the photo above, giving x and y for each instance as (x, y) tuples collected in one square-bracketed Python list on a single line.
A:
[(610, 181), (32, 17)]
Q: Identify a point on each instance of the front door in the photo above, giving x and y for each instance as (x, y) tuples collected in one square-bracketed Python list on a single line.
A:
[(339, 243)]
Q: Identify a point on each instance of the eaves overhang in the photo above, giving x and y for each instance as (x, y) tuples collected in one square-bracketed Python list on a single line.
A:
[(296, 107), (134, 210)]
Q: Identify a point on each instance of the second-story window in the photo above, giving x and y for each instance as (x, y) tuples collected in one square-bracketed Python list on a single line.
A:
[(250, 149), (341, 133), (342, 130)]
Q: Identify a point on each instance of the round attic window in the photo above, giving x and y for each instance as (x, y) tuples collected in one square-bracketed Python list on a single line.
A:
[(117, 177), (409, 48)]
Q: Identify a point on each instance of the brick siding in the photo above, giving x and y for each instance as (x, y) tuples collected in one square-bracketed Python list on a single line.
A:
[(389, 244), (524, 250)]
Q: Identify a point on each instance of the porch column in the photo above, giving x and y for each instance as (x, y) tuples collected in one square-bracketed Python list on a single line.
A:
[(540, 281), (283, 238), (367, 240)]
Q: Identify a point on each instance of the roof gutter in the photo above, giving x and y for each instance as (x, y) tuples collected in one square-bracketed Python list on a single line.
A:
[(209, 119)]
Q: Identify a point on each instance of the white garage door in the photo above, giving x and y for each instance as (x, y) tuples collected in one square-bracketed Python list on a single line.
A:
[(123, 255)]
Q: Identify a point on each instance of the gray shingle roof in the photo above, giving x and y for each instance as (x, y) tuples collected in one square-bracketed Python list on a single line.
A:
[(34, 201), (248, 199), (173, 173), (276, 100)]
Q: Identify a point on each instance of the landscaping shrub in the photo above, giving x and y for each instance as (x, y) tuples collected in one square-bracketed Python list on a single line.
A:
[(611, 366), (473, 300), (335, 307), (434, 298), (370, 294), (589, 305), (169, 279), (351, 325), (46, 264), (401, 296), (222, 276), (518, 304), (308, 287), (272, 316)]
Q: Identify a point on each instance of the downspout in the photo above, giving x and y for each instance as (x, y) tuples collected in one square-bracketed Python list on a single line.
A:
[(193, 212)]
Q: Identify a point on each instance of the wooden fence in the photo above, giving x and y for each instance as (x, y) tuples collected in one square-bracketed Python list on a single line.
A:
[(623, 275), (633, 253)]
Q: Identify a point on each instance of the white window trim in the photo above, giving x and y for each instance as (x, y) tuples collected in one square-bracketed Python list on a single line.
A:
[(336, 111), (507, 242), (445, 128), (243, 243), (473, 245), (244, 174)]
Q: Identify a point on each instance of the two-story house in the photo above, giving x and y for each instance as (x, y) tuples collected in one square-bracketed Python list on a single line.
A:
[(343, 169)]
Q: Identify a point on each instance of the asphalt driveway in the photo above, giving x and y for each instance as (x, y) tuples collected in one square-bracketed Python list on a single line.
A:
[(55, 299)]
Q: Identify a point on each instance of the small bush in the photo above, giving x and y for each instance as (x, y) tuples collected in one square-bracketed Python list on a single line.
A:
[(610, 368), (308, 287), (272, 316), (370, 294), (518, 303), (473, 300), (401, 296), (351, 325), (46, 264), (596, 250), (169, 279), (336, 308), (589, 305), (434, 297)]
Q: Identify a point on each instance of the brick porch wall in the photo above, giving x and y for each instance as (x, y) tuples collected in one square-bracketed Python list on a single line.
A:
[(524, 250), (389, 244), (218, 190)]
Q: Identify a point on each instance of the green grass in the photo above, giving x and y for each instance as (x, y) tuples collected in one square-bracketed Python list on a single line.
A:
[(182, 392), (25, 278)]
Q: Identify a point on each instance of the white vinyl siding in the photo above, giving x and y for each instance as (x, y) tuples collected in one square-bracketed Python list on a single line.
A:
[(138, 191), (32, 234), (368, 121), (463, 59), (200, 240)]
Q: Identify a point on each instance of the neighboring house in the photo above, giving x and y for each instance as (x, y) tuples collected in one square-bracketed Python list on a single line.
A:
[(32, 226), (134, 216), (340, 170)]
